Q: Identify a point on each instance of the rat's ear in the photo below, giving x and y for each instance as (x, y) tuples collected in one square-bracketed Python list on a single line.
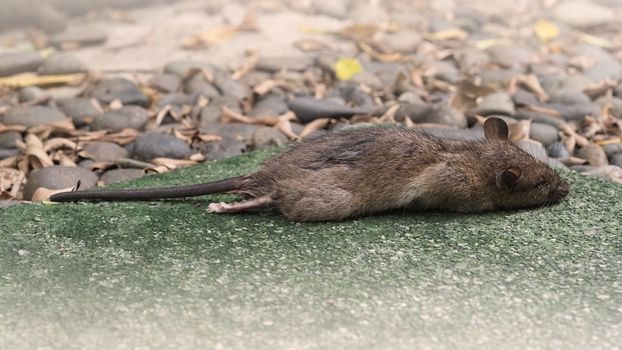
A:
[(509, 177), (495, 129)]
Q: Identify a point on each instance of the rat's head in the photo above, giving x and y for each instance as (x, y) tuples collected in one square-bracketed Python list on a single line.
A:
[(520, 180)]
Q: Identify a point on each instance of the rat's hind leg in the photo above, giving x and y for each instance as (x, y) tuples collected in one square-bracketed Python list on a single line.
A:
[(238, 207)]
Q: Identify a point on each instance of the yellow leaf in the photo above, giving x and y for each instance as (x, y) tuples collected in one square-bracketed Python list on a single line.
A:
[(29, 79), (545, 30), (594, 40), (488, 43), (347, 67), (311, 30)]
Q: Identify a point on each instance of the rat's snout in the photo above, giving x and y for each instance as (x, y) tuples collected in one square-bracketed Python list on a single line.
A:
[(560, 192)]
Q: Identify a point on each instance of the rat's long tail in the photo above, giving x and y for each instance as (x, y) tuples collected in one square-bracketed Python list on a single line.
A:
[(146, 194)]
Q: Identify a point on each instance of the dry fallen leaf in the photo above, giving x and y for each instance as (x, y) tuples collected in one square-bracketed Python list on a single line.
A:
[(30, 79), (209, 38), (359, 32), (520, 130), (248, 65), (467, 93), (380, 56), (594, 40), (36, 155), (310, 45), (315, 125)]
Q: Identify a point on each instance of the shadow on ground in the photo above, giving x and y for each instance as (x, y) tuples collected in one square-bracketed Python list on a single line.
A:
[(168, 274)]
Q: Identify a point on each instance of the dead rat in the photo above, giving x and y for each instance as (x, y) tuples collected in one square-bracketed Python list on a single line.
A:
[(367, 170)]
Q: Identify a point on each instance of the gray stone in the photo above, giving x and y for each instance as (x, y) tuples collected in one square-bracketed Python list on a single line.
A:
[(226, 148), (534, 148), (166, 82), (495, 103), (265, 136), (230, 87), (82, 37), (120, 175), (499, 76), (410, 98), (100, 151), (447, 115), (82, 110), (9, 139), (472, 59), (32, 94), (446, 71), (558, 150), (183, 68), (236, 131), (33, 116), (367, 13), (616, 160), (569, 96), (273, 64), (269, 106), (544, 133), (511, 55), (614, 104), (153, 145), (15, 63), (133, 117), (612, 149), (124, 90), (58, 177), (6, 153), (574, 112), (213, 111), (583, 13), (402, 41), (594, 154), (609, 69), (62, 63), (198, 85)]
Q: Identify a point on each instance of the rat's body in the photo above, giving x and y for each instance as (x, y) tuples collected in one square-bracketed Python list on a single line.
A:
[(368, 170)]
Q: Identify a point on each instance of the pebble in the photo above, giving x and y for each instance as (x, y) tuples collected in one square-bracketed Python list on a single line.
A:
[(124, 90), (271, 105), (612, 149), (15, 63), (594, 154), (451, 133), (544, 133), (120, 175), (101, 151), (230, 87), (410, 97), (62, 63), (224, 149), (534, 148), (446, 115), (183, 68), (511, 56), (177, 99), (133, 117), (198, 85), (569, 96), (446, 71), (6, 153), (418, 112), (9, 139), (265, 136), (82, 110), (213, 111), (608, 69), (606, 172), (402, 41), (574, 112), (558, 150), (495, 103), (33, 116), (583, 13), (166, 82), (273, 64), (154, 145), (32, 94), (472, 59), (524, 98), (81, 38), (308, 109), (233, 131), (614, 104), (498, 76), (58, 177), (616, 160)]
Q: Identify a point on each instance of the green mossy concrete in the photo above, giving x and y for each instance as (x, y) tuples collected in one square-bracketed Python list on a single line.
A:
[(169, 275)]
